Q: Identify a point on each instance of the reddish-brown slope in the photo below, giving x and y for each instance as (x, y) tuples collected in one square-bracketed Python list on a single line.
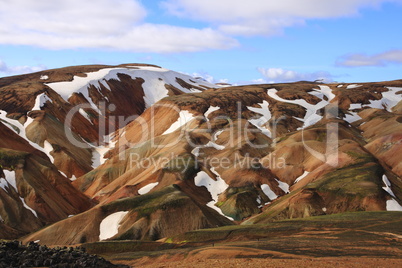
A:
[(118, 178), (38, 183), (38, 113)]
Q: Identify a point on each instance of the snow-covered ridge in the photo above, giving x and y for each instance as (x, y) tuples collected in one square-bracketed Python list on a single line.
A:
[(155, 80)]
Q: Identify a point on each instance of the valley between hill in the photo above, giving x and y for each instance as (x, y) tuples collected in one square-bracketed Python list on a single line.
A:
[(359, 239)]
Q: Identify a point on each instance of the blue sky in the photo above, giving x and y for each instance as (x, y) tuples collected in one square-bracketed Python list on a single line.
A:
[(240, 42)]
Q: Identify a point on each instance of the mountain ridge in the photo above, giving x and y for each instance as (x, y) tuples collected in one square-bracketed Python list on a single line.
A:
[(220, 155)]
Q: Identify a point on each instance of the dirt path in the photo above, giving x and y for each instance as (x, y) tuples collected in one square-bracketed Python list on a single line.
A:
[(257, 263)]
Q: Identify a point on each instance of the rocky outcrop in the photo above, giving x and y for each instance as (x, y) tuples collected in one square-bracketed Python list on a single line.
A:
[(13, 254)]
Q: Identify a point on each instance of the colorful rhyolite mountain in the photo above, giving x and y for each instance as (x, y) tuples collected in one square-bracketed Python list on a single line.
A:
[(90, 153)]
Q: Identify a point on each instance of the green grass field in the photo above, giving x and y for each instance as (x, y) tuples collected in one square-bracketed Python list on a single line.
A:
[(355, 234)]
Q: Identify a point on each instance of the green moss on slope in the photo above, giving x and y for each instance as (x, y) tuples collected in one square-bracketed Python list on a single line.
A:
[(145, 205), (11, 158)]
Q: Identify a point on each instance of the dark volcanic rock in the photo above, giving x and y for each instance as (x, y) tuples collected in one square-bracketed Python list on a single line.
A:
[(13, 254)]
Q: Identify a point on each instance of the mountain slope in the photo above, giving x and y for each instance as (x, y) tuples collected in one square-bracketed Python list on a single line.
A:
[(182, 154), (55, 127)]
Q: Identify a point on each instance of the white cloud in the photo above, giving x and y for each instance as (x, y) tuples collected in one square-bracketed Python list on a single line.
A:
[(276, 75), (207, 77), (11, 70), (381, 59), (259, 81), (261, 17), (71, 17), (108, 24), (122, 24)]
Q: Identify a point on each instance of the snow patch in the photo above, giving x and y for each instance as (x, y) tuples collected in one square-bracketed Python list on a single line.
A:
[(196, 151), (389, 99), (211, 144), (327, 92), (27, 207), (393, 205), (351, 117), (353, 86), (40, 100), (311, 116), (387, 187), (10, 178), (263, 119), (217, 133), (19, 129), (354, 106), (98, 152), (184, 117), (47, 147), (283, 185), (147, 188), (85, 115), (3, 184), (98, 155), (302, 176), (214, 187), (109, 226), (210, 110), (268, 192), (214, 145)]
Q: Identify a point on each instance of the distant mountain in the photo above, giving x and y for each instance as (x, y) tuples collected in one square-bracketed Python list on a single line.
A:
[(153, 153)]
